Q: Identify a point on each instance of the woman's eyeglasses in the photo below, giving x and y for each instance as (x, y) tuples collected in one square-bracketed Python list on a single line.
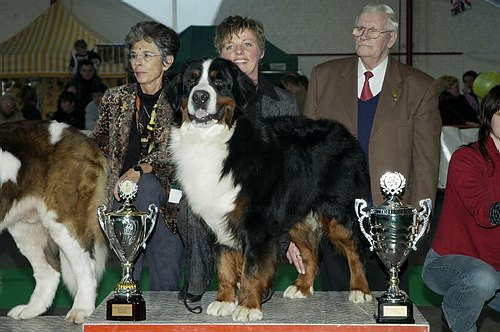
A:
[(146, 56)]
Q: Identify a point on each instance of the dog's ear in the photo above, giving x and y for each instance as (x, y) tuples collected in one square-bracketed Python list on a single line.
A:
[(173, 88), (244, 91), (174, 94)]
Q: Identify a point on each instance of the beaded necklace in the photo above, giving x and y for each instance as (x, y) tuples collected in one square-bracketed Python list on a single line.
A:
[(146, 134)]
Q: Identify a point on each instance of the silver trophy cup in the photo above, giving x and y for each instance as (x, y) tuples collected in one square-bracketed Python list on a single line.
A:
[(127, 230), (393, 232)]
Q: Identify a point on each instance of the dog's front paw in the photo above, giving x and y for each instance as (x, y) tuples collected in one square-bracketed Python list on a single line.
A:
[(77, 315), (244, 314), (357, 296), (219, 308), (25, 312), (292, 292)]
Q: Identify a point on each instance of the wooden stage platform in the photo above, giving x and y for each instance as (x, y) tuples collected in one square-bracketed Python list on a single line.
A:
[(324, 311)]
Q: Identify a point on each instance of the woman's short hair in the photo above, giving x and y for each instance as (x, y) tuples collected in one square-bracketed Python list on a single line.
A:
[(232, 25), (445, 82), (163, 37)]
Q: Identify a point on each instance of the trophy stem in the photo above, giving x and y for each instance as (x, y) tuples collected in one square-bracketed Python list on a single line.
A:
[(394, 291), (127, 269), (127, 286)]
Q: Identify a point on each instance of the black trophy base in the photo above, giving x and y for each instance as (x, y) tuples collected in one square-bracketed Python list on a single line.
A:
[(132, 308), (394, 311)]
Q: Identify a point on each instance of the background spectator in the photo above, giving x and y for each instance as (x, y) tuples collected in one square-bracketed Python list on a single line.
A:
[(292, 83), (454, 109), (468, 79), (92, 109), (79, 53), (29, 98), (8, 109), (304, 81), (67, 112), (83, 83)]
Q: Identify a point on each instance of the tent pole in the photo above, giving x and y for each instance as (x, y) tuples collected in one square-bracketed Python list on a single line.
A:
[(409, 32), (174, 15)]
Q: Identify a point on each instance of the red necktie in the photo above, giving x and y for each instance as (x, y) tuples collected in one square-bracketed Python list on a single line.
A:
[(366, 93)]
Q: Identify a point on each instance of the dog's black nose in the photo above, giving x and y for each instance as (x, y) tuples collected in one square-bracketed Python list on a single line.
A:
[(200, 97)]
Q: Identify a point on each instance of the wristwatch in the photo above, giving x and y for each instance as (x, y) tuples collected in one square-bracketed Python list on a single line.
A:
[(138, 168), (495, 214)]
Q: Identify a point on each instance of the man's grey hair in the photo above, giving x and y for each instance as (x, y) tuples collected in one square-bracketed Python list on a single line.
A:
[(392, 21)]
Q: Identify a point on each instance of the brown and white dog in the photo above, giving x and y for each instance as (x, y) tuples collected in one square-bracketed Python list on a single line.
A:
[(254, 179), (52, 178)]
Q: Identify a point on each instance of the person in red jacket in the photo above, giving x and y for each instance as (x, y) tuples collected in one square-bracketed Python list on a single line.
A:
[(463, 264)]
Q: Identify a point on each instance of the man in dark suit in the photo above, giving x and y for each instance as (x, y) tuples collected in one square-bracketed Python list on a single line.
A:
[(397, 123)]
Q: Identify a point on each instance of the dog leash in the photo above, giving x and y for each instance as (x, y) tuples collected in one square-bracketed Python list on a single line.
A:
[(197, 309)]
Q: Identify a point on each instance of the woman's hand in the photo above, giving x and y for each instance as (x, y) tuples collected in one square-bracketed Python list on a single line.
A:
[(294, 256), (130, 175)]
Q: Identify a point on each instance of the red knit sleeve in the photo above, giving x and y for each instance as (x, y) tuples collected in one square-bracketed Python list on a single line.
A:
[(469, 178)]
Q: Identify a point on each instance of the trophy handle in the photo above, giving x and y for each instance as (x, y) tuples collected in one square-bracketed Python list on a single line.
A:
[(152, 216), (424, 215), (359, 206), (101, 209)]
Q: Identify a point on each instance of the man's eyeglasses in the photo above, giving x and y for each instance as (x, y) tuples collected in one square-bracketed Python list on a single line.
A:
[(146, 56), (370, 32)]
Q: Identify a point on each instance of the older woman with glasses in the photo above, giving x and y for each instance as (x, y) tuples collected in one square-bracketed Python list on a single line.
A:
[(132, 131)]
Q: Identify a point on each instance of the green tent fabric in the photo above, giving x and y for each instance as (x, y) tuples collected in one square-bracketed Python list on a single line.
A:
[(197, 41)]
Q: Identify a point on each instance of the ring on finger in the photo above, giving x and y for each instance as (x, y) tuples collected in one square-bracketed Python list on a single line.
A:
[(298, 256)]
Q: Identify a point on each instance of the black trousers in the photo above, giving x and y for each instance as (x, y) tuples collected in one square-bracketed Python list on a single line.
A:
[(335, 270)]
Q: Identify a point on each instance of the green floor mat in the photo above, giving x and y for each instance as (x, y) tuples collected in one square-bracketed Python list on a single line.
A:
[(419, 293), (16, 286)]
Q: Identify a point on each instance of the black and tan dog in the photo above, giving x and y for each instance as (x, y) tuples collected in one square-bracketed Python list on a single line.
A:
[(253, 179), (52, 179)]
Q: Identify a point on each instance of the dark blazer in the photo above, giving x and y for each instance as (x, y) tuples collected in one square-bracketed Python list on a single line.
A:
[(276, 101), (406, 130)]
